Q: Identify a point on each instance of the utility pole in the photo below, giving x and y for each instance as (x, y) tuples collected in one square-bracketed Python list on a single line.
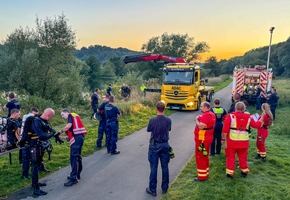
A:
[(268, 60)]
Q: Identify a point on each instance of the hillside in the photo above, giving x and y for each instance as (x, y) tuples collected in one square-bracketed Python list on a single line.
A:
[(102, 53), (279, 59)]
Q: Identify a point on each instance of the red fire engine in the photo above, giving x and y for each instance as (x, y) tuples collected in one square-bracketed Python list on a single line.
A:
[(247, 80)]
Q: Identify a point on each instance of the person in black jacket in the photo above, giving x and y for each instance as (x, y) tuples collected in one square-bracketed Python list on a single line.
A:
[(95, 101), (13, 103), (13, 128), (102, 124), (159, 127), (40, 132), (272, 100), (236, 98)]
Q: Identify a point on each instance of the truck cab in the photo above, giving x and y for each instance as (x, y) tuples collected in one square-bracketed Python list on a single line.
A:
[(182, 87)]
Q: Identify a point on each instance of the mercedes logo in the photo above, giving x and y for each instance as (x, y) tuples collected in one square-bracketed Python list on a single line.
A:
[(175, 93)]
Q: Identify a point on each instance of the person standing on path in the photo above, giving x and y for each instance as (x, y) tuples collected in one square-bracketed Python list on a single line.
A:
[(112, 126), (203, 136), (102, 123), (159, 127), (220, 113), (76, 132), (25, 150), (40, 131)]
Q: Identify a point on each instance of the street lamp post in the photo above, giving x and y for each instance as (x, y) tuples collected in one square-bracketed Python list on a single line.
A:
[(268, 60)]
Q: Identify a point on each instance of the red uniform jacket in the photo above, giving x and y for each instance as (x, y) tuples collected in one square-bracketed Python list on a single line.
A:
[(242, 121), (209, 119)]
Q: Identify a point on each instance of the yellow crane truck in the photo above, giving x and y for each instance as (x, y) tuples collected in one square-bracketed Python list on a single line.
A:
[(182, 87)]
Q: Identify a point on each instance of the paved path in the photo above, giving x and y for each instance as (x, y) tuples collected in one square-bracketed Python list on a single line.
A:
[(124, 176)]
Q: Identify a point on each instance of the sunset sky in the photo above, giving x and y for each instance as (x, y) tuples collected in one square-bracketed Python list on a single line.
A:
[(229, 27)]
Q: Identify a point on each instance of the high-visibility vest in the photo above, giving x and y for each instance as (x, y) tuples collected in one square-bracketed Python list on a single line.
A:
[(238, 135), (142, 88), (78, 128), (218, 111)]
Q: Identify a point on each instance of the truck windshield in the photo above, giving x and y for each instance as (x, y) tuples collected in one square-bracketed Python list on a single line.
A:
[(178, 78)]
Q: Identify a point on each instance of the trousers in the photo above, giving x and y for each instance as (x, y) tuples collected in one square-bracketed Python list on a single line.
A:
[(101, 131), (202, 162), (215, 147), (262, 134), (36, 160), (25, 161), (112, 128), (75, 157), (230, 160), (158, 152)]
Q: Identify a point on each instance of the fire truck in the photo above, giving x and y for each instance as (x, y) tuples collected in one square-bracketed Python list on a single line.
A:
[(247, 80), (182, 87)]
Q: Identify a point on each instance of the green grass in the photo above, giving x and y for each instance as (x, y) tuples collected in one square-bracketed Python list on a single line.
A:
[(222, 84), (268, 180)]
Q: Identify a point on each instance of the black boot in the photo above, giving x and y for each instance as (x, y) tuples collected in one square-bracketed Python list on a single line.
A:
[(70, 183), (38, 192), (258, 156), (244, 175), (264, 159)]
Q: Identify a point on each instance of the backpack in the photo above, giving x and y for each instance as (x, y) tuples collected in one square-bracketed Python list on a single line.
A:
[(26, 136), (3, 125)]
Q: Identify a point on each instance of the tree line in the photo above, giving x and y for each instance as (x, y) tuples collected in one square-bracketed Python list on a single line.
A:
[(279, 60)]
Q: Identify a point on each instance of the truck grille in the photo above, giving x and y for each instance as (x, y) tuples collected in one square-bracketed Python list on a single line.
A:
[(176, 95)]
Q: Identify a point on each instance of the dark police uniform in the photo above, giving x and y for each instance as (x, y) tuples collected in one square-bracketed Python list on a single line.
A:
[(159, 127), (273, 102), (215, 147), (25, 150), (258, 97), (11, 105), (12, 126), (112, 127), (102, 125), (40, 131), (109, 90), (95, 102)]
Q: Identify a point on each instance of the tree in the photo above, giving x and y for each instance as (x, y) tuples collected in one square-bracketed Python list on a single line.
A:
[(212, 64), (176, 45), (94, 72), (108, 71), (42, 62)]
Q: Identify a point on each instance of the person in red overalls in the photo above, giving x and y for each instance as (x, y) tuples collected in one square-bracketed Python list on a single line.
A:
[(236, 132), (203, 136), (262, 132)]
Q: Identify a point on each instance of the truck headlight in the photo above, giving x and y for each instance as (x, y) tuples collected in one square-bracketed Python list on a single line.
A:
[(190, 104)]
